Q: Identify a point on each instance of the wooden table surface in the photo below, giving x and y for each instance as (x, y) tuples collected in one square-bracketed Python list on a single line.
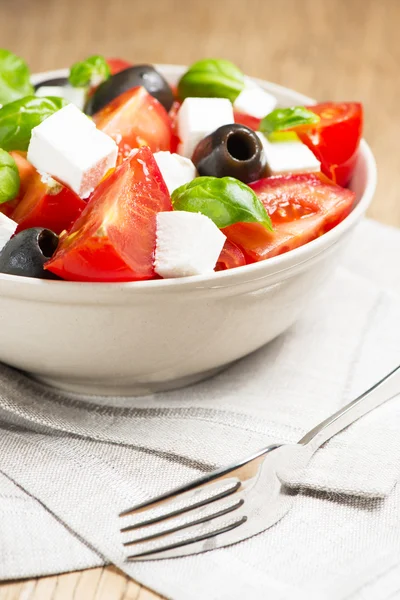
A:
[(333, 49)]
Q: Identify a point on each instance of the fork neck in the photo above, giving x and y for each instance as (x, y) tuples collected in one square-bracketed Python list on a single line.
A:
[(384, 390)]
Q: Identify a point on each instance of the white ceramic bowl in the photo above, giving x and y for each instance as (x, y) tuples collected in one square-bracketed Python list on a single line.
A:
[(140, 337)]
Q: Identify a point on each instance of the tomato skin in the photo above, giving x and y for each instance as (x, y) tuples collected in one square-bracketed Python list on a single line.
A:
[(135, 119), (26, 173), (53, 206), (175, 141), (114, 238), (81, 266), (231, 256), (302, 207), (247, 120), (335, 139), (118, 64)]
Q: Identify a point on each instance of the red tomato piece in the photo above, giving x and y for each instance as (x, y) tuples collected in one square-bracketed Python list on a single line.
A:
[(50, 205), (7, 208), (135, 119), (231, 256), (174, 126), (115, 236), (335, 139), (26, 174), (251, 122), (118, 64), (302, 207)]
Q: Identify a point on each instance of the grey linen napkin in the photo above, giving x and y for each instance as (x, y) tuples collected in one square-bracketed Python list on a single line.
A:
[(71, 464)]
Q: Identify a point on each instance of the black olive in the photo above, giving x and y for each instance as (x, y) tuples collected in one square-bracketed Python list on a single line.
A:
[(57, 81), (144, 75), (27, 252), (231, 150)]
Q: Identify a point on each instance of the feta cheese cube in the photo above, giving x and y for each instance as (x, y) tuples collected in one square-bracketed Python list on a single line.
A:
[(288, 157), (76, 95), (255, 102), (198, 117), (187, 244), (68, 146), (175, 169), (7, 229)]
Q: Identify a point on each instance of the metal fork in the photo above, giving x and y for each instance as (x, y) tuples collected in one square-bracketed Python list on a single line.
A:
[(242, 499)]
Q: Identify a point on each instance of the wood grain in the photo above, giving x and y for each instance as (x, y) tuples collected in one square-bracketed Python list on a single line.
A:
[(336, 49)]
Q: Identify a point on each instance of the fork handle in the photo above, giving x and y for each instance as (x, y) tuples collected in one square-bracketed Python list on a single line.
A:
[(379, 393)]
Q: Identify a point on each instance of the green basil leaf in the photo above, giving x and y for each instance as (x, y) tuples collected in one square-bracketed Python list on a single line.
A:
[(224, 200), (17, 119), (9, 177), (92, 71), (286, 118), (14, 78), (212, 78)]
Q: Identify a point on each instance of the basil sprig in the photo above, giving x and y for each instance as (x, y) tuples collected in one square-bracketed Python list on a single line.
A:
[(281, 119), (14, 77), (212, 78), (9, 177), (92, 71), (224, 200), (17, 119)]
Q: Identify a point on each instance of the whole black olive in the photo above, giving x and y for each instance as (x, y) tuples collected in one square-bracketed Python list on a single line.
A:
[(27, 252), (144, 75), (57, 81), (231, 150)]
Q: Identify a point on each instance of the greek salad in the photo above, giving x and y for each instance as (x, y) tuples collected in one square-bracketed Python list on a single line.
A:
[(112, 175)]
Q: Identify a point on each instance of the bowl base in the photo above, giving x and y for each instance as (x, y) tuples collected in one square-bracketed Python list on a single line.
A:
[(122, 388)]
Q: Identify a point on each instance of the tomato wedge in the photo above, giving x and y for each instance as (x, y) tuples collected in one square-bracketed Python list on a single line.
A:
[(115, 236), (47, 203), (231, 256), (135, 119), (118, 64), (174, 125), (336, 138), (247, 120), (302, 207), (26, 173)]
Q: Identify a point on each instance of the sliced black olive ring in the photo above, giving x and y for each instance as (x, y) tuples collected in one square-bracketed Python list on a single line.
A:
[(231, 150), (27, 252)]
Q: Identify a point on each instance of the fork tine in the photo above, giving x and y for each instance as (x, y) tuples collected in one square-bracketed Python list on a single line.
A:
[(205, 519), (197, 483), (193, 485), (204, 515), (183, 509), (160, 552)]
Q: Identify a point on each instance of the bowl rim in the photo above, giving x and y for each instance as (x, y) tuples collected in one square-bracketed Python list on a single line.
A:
[(262, 269)]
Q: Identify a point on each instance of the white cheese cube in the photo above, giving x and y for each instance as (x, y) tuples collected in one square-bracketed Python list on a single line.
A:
[(288, 157), (76, 95), (187, 244), (7, 229), (198, 117), (255, 102), (175, 169), (68, 146)]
